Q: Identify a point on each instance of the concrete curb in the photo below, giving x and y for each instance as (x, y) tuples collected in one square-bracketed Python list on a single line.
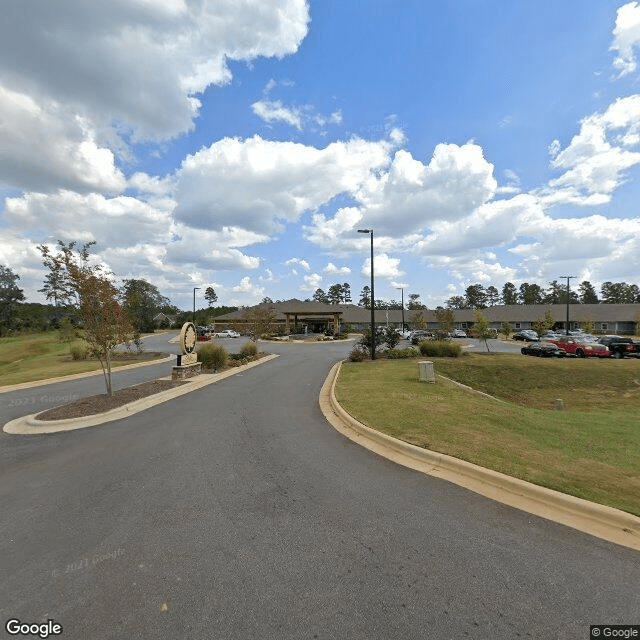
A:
[(78, 376), (597, 520), (29, 425)]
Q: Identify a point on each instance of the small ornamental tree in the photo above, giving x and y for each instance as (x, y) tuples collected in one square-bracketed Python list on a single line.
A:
[(505, 330), (543, 324), (259, 321), (104, 320), (392, 337), (446, 319), (481, 328)]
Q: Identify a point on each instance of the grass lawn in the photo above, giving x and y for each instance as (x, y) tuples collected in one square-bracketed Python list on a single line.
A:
[(590, 450), (40, 356)]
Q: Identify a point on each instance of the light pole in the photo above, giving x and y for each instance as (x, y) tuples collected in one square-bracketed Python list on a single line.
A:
[(402, 293), (372, 301), (568, 296), (194, 304)]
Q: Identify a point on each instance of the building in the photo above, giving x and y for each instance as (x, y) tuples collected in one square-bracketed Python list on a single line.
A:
[(297, 317)]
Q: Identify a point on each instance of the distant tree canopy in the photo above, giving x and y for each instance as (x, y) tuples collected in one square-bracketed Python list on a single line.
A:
[(10, 294), (142, 302)]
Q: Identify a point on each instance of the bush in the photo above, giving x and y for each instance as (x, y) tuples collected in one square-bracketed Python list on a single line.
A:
[(440, 348), (392, 337), (212, 356), (357, 354), (249, 350), (79, 351), (67, 332), (397, 354)]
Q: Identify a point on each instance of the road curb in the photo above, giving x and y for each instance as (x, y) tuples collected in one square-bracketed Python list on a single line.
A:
[(86, 374), (597, 520), (29, 425)]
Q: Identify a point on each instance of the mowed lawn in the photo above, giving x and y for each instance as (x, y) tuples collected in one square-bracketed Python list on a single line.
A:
[(40, 356), (590, 450)]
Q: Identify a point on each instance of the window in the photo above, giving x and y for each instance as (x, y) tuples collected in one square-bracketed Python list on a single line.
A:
[(517, 325)]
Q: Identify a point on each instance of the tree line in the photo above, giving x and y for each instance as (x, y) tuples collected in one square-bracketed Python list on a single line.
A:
[(478, 297)]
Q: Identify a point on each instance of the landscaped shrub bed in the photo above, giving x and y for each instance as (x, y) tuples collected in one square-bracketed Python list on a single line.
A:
[(212, 356), (440, 348), (397, 354)]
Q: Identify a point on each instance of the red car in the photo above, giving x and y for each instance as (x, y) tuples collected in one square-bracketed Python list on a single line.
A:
[(581, 348)]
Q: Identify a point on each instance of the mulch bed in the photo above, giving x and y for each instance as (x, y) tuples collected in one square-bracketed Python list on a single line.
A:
[(101, 403)]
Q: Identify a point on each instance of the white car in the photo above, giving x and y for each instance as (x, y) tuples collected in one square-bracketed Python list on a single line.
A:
[(227, 333)]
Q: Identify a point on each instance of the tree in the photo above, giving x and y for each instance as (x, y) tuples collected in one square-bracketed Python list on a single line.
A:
[(57, 286), (334, 294), (259, 321), (509, 294), (321, 296), (392, 337), (142, 301), (588, 293), (10, 293), (210, 295), (446, 319), (481, 328), (104, 320), (346, 293), (492, 296), (475, 296), (543, 324), (414, 302), (505, 330), (557, 294), (365, 297), (456, 302), (619, 293), (530, 293)]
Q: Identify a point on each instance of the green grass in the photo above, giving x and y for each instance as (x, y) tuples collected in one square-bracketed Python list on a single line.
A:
[(591, 450), (40, 356)]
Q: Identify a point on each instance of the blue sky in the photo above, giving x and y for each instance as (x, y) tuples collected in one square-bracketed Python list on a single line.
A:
[(241, 145)]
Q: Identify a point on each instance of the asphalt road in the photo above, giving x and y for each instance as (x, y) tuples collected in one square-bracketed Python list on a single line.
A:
[(237, 512)]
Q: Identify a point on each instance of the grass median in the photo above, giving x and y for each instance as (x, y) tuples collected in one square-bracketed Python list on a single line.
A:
[(41, 356), (590, 450)]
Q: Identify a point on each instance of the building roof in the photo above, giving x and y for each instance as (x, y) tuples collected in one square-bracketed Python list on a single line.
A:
[(352, 313)]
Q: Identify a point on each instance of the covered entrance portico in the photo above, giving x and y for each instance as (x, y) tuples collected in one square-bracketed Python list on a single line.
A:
[(317, 320)]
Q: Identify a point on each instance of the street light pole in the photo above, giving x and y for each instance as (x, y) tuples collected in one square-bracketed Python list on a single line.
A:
[(568, 296), (402, 293), (372, 301), (194, 303)]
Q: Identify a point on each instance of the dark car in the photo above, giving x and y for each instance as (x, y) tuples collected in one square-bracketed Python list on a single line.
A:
[(620, 347), (526, 334), (543, 350)]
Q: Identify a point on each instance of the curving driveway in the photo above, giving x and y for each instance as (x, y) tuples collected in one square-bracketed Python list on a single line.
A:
[(237, 511)]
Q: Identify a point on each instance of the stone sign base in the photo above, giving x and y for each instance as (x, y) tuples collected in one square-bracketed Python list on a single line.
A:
[(186, 371)]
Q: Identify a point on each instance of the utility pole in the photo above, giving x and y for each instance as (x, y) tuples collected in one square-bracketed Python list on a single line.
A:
[(568, 297)]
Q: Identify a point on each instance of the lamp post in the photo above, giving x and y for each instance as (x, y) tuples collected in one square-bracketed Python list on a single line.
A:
[(194, 303), (402, 293), (372, 301), (568, 296)]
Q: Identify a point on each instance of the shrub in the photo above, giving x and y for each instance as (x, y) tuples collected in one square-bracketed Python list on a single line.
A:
[(67, 332), (397, 354), (392, 337), (249, 350), (357, 354), (212, 356), (79, 351), (440, 348)]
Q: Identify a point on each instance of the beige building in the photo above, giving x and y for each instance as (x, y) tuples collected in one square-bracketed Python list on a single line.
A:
[(296, 316)]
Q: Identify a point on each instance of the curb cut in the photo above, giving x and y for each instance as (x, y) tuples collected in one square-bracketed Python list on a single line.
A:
[(597, 520), (29, 425)]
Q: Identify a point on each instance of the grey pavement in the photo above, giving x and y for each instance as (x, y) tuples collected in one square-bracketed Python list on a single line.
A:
[(237, 511)]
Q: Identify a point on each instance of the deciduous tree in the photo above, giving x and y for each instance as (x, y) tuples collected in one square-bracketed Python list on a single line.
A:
[(104, 320), (10, 293)]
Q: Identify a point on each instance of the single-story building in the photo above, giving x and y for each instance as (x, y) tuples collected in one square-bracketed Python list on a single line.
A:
[(296, 316)]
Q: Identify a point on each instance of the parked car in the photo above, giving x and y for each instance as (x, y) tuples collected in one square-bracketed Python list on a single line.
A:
[(582, 349), (620, 347), (226, 333), (418, 336), (458, 333), (543, 350), (526, 334)]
